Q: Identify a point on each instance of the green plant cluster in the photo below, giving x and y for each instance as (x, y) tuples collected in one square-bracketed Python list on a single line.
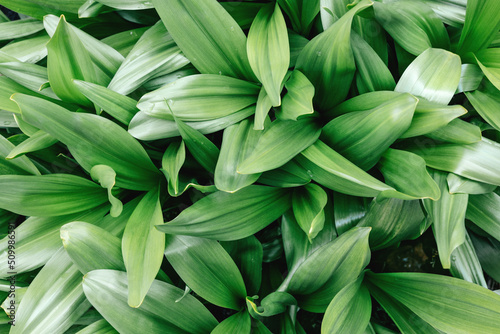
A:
[(289, 166)]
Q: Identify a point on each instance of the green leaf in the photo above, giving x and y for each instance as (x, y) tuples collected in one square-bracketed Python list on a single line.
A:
[(106, 177), (68, 59), (481, 26), (458, 132), (154, 53), (413, 25), (10, 87), (407, 172), (171, 163), (19, 28), (488, 252), (38, 9), (176, 315), (362, 137), (308, 205), (301, 13), (298, 99), (242, 12), (93, 140), (462, 185), (29, 50), (237, 323), (98, 327), (470, 79), (89, 9), (30, 76), (142, 247), (445, 303), (127, 4), (19, 165), (119, 106), (268, 50), (392, 221), (328, 62), (91, 247), (485, 103), (465, 263), (362, 102), (290, 174), (124, 41), (199, 97), (262, 109), (279, 144), (484, 211), (209, 37), (349, 311), (274, 303), (476, 161), (434, 75), (38, 141), (488, 61), (208, 269), (49, 195), (348, 210), (238, 142), (238, 215)]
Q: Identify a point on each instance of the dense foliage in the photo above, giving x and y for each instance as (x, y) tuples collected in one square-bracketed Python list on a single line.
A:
[(289, 166)]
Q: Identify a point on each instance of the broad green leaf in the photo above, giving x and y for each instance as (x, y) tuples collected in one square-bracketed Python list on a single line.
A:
[(38, 9), (262, 109), (298, 99), (448, 304), (199, 97), (372, 32), (163, 80), (488, 252), (54, 299), (462, 185), (106, 177), (349, 311), (247, 253), (91, 247), (478, 161), (279, 144), (484, 211), (31, 76), (434, 75), (124, 41), (29, 50), (489, 62), (301, 13), (268, 50), (348, 210), (36, 142), (362, 137), (12, 165), (19, 28), (171, 163), (328, 62), (142, 247), (155, 53), (209, 37), (274, 303), (238, 142), (465, 263), (308, 203), (10, 87), (127, 4), (90, 8), (480, 27), (237, 323), (37, 239), (175, 315), (49, 195), (98, 327), (373, 74), (458, 132), (238, 215), (68, 59), (208, 269), (486, 104), (470, 79), (413, 25), (430, 116), (242, 12), (202, 149), (145, 127), (392, 221), (407, 172), (119, 106), (331, 11), (93, 140), (448, 219), (290, 174), (451, 12), (363, 102)]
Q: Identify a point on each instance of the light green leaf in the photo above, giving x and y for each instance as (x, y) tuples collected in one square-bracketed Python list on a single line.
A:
[(238, 215), (90, 8), (49, 195), (413, 25), (290, 174), (458, 132), (208, 269), (349, 311), (362, 137), (262, 109), (328, 62), (308, 205), (273, 304), (362, 102), (199, 97), (489, 62), (38, 141), (142, 247), (298, 99), (448, 219), (406, 172), (470, 79), (171, 163), (237, 323), (106, 177), (238, 142), (38, 9), (268, 50), (124, 41), (98, 327), (484, 211), (119, 106), (462, 185), (486, 103), (465, 263), (209, 37), (19, 28), (29, 50), (93, 140), (91, 247), (434, 75), (444, 302), (301, 13), (10, 87), (19, 165), (29, 75), (127, 4), (279, 144), (176, 315), (155, 53)]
